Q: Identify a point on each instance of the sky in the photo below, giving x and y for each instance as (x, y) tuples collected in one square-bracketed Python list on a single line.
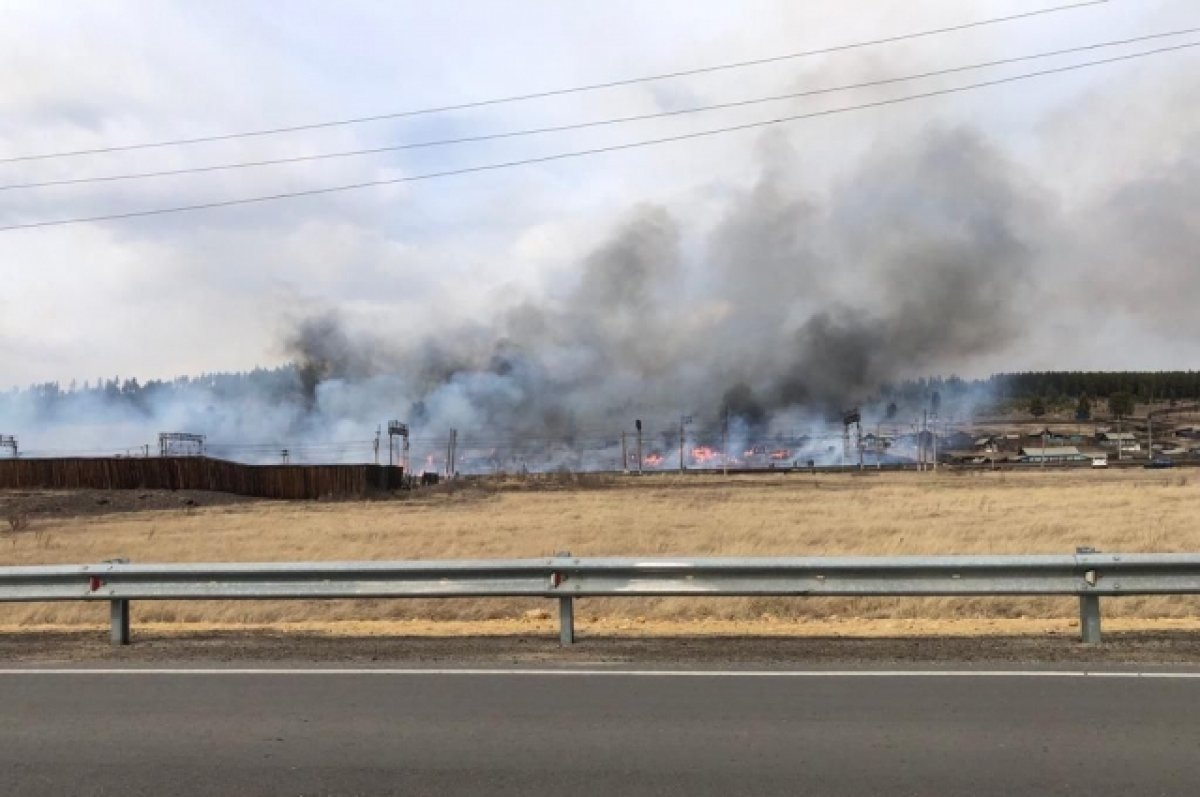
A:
[(1081, 185)]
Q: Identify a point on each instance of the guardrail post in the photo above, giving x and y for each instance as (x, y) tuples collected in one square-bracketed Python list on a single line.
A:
[(1089, 605), (1089, 619), (566, 621), (566, 609), (118, 611), (119, 619)]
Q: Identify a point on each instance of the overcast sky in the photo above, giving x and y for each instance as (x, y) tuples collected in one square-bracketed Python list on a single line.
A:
[(1107, 158)]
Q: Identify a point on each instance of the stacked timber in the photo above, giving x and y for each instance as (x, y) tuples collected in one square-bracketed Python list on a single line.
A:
[(200, 473)]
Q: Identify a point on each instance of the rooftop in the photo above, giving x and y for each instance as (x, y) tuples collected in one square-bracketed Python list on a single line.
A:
[(1050, 451)]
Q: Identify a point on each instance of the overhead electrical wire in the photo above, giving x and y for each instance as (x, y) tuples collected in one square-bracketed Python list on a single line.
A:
[(557, 92), (598, 123), (594, 150)]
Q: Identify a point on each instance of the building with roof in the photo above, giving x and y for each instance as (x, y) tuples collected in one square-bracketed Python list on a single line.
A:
[(1052, 454), (1126, 441)]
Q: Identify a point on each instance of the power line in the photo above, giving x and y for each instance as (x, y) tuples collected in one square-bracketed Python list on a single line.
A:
[(595, 150), (557, 92), (601, 122)]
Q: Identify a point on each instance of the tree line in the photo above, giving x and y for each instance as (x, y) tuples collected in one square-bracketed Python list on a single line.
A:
[(1035, 392), (1143, 386)]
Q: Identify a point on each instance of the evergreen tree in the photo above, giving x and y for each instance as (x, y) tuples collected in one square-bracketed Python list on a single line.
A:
[(1083, 410), (1120, 405)]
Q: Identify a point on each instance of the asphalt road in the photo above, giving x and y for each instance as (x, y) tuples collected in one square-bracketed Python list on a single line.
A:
[(238, 732)]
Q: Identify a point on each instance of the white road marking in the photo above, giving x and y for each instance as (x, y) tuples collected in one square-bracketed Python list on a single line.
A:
[(242, 671)]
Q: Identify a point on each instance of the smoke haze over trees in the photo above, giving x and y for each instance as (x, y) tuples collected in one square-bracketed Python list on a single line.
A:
[(778, 278), (229, 407), (796, 306)]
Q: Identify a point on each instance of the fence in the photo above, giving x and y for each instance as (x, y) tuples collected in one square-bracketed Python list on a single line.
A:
[(200, 473), (1088, 575)]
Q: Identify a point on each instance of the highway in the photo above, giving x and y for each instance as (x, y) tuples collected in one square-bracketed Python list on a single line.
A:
[(562, 732)]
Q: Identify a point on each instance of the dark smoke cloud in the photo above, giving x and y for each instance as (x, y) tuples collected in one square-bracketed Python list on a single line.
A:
[(798, 303), (933, 252), (323, 350), (945, 234)]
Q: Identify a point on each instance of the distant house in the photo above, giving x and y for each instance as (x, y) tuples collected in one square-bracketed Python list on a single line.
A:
[(988, 445), (1057, 437), (1052, 454), (1127, 441)]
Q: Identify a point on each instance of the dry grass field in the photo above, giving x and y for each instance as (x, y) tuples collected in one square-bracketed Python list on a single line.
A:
[(977, 512)]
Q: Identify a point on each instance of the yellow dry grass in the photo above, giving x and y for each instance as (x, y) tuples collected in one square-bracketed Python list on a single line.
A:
[(873, 514)]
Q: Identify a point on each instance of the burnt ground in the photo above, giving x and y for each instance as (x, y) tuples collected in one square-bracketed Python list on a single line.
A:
[(37, 503), (224, 647)]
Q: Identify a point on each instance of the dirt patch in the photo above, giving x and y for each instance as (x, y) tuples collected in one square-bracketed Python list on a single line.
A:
[(59, 504)]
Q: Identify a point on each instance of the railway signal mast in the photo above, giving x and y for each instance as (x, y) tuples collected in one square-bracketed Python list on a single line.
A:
[(398, 429)]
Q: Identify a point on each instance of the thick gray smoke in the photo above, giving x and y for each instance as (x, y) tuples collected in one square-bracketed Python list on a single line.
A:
[(933, 254), (797, 304)]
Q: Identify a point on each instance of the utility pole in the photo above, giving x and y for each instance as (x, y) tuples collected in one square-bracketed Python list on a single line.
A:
[(878, 446), (451, 453), (624, 454), (684, 420), (858, 442), (378, 432), (934, 418), (924, 436), (638, 424), (285, 455), (1149, 434), (725, 444), (1150, 427), (1120, 444)]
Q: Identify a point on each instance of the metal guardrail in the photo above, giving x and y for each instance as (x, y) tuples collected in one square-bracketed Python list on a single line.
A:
[(1087, 574)]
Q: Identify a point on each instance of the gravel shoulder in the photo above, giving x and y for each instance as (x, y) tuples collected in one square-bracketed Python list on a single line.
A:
[(152, 647)]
